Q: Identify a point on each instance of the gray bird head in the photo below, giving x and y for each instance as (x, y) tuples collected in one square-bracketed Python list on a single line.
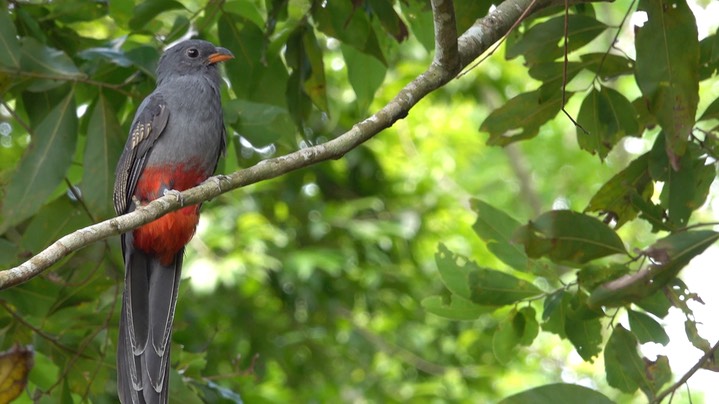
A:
[(192, 57)]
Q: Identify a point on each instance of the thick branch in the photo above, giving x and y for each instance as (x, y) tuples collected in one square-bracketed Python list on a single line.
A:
[(470, 45)]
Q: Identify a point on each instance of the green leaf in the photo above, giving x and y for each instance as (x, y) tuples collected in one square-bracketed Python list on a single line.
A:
[(614, 197), (365, 74), (389, 19), (712, 111), (102, 150), (145, 11), (708, 56), (458, 309), (556, 307), (674, 252), (608, 116), (38, 58), (261, 124), (592, 276), (245, 9), (686, 189), (585, 335), (8, 253), (314, 84), (568, 237), (339, 19), (495, 228), (69, 11), (9, 44), (552, 75), (525, 322), (656, 303), (256, 75), (608, 66), (667, 69), (54, 220), (690, 327), (558, 393), (419, 17), (520, 328), (669, 255), (544, 41), (520, 118), (646, 329), (504, 341), (44, 165), (624, 367), (480, 285)]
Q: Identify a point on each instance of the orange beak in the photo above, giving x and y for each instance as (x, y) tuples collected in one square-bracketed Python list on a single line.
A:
[(221, 55)]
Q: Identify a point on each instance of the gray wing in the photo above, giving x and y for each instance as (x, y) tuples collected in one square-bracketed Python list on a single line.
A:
[(149, 123)]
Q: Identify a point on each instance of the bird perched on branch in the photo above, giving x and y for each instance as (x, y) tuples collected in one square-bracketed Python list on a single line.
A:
[(175, 142)]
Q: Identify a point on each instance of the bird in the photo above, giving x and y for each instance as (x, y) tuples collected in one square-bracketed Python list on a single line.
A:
[(176, 140)]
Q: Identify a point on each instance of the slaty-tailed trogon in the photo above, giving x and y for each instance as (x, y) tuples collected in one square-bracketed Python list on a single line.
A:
[(175, 142)]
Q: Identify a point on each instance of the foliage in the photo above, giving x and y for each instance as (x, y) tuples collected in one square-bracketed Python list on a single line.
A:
[(424, 265)]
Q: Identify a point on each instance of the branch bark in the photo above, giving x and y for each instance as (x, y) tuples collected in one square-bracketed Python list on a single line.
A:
[(451, 56)]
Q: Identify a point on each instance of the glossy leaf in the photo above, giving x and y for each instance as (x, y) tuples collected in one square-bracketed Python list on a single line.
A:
[(624, 367), (592, 276), (708, 56), (53, 221), (261, 124), (687, 187), (255, 75), (9, 44), (608, 65), (102, 151), (712, 111), (340, 20), (608, 116), (613, 198), (38, 58), (583, 328), (519, 329), (556, 307), (699, 342), (646, 329), (419, 17), (458, 308), (558, 393), (520, 118), (365, 74), (543, 42), (8, 253), (480, 285), (389, 19), (667, 69), (495, 228), (145, 11), (44, 165), (568, 237)]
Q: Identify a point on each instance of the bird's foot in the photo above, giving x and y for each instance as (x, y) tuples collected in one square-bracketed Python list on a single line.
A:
[(136, 201), (177, 194), (218, 179)]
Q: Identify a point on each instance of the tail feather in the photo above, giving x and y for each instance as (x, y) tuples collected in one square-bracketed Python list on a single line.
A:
[(148, 308)]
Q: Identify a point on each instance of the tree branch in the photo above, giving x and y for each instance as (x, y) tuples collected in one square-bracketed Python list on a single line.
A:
[(671, 389), (469, 46)]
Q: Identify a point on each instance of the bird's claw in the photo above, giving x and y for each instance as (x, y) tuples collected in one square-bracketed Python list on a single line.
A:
[(135, 201), (177, 194), (217, 180)]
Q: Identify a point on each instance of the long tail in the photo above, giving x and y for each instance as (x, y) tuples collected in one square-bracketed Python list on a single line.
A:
[(148, 308)]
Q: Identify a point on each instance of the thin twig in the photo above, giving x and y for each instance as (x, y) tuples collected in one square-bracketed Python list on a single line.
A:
[(670, 390), (564, 68)]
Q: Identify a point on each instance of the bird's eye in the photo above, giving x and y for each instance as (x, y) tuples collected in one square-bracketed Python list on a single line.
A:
[(192, 52)]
